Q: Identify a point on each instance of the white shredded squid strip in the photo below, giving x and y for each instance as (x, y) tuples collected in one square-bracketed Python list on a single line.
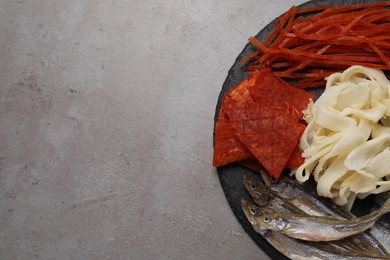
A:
[(346, 144)]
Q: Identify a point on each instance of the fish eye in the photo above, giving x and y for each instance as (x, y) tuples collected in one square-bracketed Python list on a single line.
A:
[(253, 186), (266, 219), (273, 179), (252, 210)]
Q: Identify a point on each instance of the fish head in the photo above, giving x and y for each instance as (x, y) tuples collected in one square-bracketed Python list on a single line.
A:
[(252, 212), (262, 219), (277, 185), (271, 220), (259, 192)]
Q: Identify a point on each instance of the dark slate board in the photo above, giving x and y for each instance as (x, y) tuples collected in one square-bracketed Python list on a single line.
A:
[(231, 175)]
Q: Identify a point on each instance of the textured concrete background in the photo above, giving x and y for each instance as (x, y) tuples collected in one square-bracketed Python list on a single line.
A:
[(106, 120)]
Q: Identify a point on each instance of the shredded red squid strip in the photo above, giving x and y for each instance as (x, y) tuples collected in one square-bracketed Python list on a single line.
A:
[(331, 39)]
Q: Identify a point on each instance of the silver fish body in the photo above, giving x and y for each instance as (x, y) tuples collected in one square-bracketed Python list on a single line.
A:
[(314, 228), (304, 198), (262, 196), (361, 243), (381, 229), (299, 249), (308, 201)]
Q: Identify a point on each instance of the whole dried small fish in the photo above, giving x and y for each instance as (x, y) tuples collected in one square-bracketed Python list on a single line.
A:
[(314, 228), (271, 200), (300, 249), (306, 250), (306, 198), (303, 198), (263, 196)]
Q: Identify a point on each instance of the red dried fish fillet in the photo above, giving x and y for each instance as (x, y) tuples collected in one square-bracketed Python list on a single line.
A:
[(268, 132), (260, 119), (279, 92), (227, 147), (296, 159)]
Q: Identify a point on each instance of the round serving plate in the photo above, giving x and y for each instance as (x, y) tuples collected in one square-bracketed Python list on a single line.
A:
[(231, 175)]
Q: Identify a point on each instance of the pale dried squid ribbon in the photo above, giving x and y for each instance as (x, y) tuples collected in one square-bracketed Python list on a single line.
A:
[(374, 114), (346, 144), (302, 174), (353, 97), (335, 171), (329, 118), (351, 138), (320, 144), (365, 156), (378, 130), (359, 73)]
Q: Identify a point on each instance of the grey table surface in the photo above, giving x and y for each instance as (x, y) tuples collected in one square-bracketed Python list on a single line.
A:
[(106, 121)]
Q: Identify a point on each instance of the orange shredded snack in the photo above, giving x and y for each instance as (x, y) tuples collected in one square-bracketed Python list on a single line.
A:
[(308, 49)]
